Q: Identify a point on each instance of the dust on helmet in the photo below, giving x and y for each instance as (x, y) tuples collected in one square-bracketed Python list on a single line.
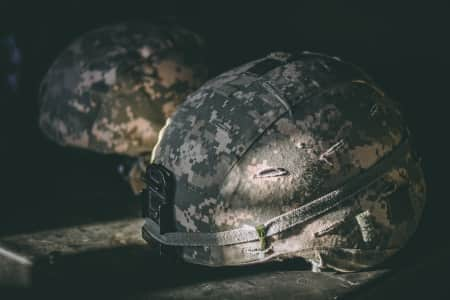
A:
[(112, 89), (286, 156)]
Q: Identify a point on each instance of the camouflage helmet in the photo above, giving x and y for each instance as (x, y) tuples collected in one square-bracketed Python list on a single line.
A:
[(112, 89), (291, 155)]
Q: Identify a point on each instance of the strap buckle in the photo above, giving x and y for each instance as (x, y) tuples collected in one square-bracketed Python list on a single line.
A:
[(160, 189)]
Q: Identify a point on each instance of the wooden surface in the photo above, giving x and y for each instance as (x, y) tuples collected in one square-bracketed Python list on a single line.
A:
[(110, 260), (272, 285), (28, 260)]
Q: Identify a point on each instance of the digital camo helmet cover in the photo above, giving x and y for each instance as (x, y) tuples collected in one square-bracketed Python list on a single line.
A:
[(112, 89), (286, 156)]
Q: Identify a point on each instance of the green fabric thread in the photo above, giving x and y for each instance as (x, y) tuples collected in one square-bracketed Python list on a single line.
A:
[(261, 230)]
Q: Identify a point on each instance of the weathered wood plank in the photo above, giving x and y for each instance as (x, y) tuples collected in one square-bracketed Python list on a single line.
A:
[(111, 259), (27, 259), (273, 285)]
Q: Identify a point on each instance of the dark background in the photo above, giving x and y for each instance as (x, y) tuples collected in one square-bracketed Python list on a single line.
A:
[(404, 46)]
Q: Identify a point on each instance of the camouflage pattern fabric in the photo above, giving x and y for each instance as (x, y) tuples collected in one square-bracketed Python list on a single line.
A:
[(112, 89), (274, 135)]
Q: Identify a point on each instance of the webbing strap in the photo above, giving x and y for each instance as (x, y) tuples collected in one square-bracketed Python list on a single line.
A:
[(285, 221), (268, 63)]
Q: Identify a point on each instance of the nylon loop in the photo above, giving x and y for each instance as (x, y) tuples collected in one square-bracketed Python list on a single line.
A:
[(261, 230)]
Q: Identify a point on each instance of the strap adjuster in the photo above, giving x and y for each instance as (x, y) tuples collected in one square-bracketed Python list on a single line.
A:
[(160, 188)]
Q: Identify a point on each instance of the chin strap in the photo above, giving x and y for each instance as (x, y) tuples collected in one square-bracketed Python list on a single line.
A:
[(282, 222)]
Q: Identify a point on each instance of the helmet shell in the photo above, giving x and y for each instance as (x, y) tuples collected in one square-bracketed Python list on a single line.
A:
[(112, 89), (274, 135)]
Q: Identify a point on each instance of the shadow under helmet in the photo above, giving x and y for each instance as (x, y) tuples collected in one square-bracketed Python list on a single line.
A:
[(286, 156), (111, 90)]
